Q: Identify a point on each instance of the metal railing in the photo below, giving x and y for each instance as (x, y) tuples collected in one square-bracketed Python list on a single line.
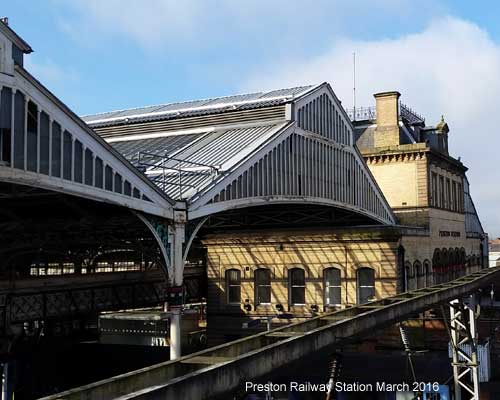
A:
[(362, 113), (411, 116), (370, 113)]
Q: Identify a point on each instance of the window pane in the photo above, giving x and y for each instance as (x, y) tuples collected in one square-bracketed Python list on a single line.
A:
[(298, 276), (263, 276), (233, 286), (262, 286), (298, 295), (366, 284), (234, 294), (263, 294), (365, 294), (332, 277), (233, 276), (366, 277), (333, 295)]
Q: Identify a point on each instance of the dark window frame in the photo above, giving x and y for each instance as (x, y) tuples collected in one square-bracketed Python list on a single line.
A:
[(327, 286), (233, 283), (296, 285), (361, 287), (262, 286)]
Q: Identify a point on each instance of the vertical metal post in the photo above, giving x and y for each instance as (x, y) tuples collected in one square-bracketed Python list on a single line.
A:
[(472, 306), (463, 335), (454, 352), (177, 238)]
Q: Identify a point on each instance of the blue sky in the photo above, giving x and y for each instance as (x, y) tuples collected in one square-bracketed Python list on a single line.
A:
[(108, 67), (443, 56)]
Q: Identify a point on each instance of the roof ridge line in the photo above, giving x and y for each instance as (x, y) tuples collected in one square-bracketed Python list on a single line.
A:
[(261, 93), (165, 104), (207, 107), (193, 131)]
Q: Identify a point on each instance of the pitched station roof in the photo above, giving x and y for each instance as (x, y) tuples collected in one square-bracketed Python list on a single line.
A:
[(184, 157), (197, 107)]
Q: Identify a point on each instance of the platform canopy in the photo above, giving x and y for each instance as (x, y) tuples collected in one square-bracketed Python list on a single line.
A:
[(288, 146), (44, 145)]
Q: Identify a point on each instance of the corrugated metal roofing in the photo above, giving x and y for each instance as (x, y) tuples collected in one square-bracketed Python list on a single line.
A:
[(196, 107), (472, 222), (200, 159), (160, 145)]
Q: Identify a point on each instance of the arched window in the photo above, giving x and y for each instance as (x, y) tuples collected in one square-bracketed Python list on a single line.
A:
[(366, 284), (332, 286), (445, 265), (436, 266), (463, 257), (418, 272), (428, 273), (401, 269), (233, 286), (457, 271), (297, 286), (262, 286), (409, 275)]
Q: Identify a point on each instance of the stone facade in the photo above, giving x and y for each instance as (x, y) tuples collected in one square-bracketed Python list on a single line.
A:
[(312, 251), (432, 242), (425, 187)]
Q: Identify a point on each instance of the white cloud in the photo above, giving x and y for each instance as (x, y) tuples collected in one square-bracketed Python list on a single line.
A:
[(62, 81), (149, 25), (159, 24), (449, 68), (51, 73)]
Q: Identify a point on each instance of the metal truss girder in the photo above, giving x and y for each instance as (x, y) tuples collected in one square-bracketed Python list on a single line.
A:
[(463, 334), (72, 303)]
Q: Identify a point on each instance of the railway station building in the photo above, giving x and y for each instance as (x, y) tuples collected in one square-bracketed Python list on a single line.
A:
[(292, 205), (312, 208)]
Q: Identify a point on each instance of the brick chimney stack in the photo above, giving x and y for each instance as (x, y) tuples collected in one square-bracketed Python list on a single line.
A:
[(387, 132)]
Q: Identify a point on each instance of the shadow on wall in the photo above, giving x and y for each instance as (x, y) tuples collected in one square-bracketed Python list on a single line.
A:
[(302, 281)]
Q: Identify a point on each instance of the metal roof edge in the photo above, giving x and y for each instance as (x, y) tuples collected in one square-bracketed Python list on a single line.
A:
[(89, 130), (18, 40)]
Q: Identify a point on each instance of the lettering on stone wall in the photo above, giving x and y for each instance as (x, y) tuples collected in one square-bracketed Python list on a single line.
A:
[(449, 233)]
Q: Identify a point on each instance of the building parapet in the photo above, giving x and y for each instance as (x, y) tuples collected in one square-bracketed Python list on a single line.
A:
[(370, 113)]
